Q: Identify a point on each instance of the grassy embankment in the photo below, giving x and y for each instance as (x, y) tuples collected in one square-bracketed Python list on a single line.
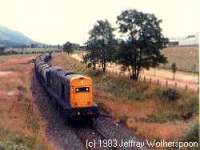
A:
[(146, 108), (20, 121)]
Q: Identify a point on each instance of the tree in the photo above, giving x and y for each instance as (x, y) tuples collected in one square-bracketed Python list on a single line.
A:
[(174, 69), (2, 49), (100, 44), (91, 58), (143, 42), (58, 46), (68, 47)]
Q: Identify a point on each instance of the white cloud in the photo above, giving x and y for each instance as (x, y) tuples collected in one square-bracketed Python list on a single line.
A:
[(56, 21)]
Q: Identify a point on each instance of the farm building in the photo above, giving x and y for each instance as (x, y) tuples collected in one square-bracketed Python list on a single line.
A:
[(173, 43), (190, 40)]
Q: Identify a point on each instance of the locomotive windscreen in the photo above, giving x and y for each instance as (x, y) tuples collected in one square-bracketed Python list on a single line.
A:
[(82, 89)]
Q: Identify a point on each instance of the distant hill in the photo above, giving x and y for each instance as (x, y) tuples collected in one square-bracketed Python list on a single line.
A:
[(11, 38)]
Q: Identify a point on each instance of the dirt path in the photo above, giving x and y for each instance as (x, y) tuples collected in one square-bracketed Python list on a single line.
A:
[(5, 73), (182, 79)]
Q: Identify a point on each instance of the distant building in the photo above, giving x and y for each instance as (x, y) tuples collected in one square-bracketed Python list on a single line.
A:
[(189, 40), (173, 43)]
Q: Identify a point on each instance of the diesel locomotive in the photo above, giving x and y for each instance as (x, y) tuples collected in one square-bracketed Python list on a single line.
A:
[(71, 91)]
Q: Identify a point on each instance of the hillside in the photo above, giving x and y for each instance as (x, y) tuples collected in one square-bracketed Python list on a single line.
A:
[(11, 38)]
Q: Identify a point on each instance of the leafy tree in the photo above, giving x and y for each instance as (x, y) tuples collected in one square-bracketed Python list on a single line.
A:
[(143, 41), (91, 58), (68, 47), (100, 44), (174, 69), (58, 46), (2, 48)]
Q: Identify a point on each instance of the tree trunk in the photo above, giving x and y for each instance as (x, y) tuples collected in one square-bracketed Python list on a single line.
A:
[(103, 60), (104, 69), (94, 65), (104, 66), (135, 72), (134, 75)]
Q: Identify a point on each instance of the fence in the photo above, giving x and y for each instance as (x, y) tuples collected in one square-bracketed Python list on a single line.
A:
[(161, 82), (114, 69)]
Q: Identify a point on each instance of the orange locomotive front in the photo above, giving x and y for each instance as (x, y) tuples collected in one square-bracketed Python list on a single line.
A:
[(81, 92), (81, 99)]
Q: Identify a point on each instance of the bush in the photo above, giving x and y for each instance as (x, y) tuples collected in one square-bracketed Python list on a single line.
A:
[(122, 119), (13, 141), (168, 94), (193, 105), (135, 95), (118, 87), (190, 107), (104, 108), (10, 141), (193, 134), (162, 117)]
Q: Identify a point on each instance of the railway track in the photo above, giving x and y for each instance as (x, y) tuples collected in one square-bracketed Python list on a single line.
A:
[(80, 135), (99, 136), (91, 137)]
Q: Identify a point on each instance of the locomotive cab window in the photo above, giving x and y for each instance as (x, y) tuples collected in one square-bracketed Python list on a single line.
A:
[(82, 89)]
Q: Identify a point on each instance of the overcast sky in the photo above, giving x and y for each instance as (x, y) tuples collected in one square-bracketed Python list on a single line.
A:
[(57, 21)]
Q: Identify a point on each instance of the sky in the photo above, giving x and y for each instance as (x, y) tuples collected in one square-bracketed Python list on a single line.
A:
[(58, 21)]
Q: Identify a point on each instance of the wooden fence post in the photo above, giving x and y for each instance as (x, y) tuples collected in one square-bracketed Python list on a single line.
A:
[(166, 83), (175, 85), (140, 79), (144, 79), (158, 82), (186, 87)]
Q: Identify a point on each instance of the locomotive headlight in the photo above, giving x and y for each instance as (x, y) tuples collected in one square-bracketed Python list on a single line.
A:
[(77, 90), (87, 89)]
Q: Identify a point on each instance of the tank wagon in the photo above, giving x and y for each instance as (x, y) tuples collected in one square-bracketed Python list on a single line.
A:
[(71, 91)]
